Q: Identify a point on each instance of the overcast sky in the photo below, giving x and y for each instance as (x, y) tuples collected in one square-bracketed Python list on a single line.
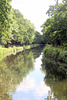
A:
[(33, 10)]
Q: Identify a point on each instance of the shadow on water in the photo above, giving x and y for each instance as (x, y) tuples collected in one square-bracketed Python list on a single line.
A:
[(13, 69), (55, 78), (37, 51)]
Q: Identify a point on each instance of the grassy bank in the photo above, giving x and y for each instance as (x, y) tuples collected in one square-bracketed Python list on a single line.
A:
[(56, 53), (14, 50), (8, 51)]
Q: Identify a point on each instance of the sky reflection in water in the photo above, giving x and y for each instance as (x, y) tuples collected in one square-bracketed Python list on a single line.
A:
[(33, 87)]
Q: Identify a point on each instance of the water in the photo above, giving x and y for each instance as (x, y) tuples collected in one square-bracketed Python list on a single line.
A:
[(24, 77)]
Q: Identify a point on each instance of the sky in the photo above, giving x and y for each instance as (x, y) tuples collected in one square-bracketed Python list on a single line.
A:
[(33, 10)]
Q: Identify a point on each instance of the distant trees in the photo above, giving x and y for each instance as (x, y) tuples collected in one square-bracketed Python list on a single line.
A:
[(55, 28), (38, 38)]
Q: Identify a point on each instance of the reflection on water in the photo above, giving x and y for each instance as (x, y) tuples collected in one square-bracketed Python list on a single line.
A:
[(54, 70), (32, 87), (55, 78), (12, 71), (22, 78)]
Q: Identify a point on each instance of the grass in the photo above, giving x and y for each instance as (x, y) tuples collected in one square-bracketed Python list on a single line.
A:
[(8, 51), (56, 53), (14, 50)]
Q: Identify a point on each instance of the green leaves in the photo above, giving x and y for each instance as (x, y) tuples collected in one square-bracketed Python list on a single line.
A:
[(25, 30), (14, 28), (55, 28)]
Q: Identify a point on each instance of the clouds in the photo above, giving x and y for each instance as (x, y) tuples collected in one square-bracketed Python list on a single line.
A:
[(27, 84), (33, 87), (38, 90), (38, 63), (41, 90)]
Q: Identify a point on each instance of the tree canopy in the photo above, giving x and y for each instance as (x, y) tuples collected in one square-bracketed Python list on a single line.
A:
[(38, 38), (55, 28), (14, 28)]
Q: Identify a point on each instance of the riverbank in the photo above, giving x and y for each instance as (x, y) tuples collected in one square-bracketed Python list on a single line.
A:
[(14, 50), (56, 53)]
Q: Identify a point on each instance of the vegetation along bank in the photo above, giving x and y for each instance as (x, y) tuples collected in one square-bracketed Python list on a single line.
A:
[(55, 31), (55, 53), (15, 30), (14, 50)]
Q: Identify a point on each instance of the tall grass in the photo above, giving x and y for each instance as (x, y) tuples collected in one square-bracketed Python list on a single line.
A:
[(13, 50), (56, 53), (8, 51)]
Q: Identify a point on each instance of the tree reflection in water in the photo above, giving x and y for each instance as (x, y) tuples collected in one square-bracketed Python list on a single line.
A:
[(13, 69), (56, 78), (50, 96)]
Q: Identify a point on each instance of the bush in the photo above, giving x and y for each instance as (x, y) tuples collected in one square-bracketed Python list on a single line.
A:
[(63, 56), (55, 53)]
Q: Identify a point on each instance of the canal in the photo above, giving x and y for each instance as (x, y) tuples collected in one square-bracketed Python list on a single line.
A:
[(27, 76)]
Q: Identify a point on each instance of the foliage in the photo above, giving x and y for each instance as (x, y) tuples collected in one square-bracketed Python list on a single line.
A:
[(55, 53), (8, 51), (14, 28), (5, 21), (55, 28), (25, 30), (38, 38)]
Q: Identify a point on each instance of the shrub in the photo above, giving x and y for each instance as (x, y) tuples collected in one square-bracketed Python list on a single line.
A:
[(55, 53)]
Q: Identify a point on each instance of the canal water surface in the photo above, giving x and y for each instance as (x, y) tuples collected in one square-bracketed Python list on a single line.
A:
[(23, 77)]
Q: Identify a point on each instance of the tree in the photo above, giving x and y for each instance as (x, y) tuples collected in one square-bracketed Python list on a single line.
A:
[(37, 38), (25, 31), (14, 28), (5, 20), (55, 28)]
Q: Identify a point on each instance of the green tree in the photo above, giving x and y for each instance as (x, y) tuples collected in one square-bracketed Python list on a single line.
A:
[(25, 30), (37, 38), (55, 28), (14, 28), (5, 21)]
